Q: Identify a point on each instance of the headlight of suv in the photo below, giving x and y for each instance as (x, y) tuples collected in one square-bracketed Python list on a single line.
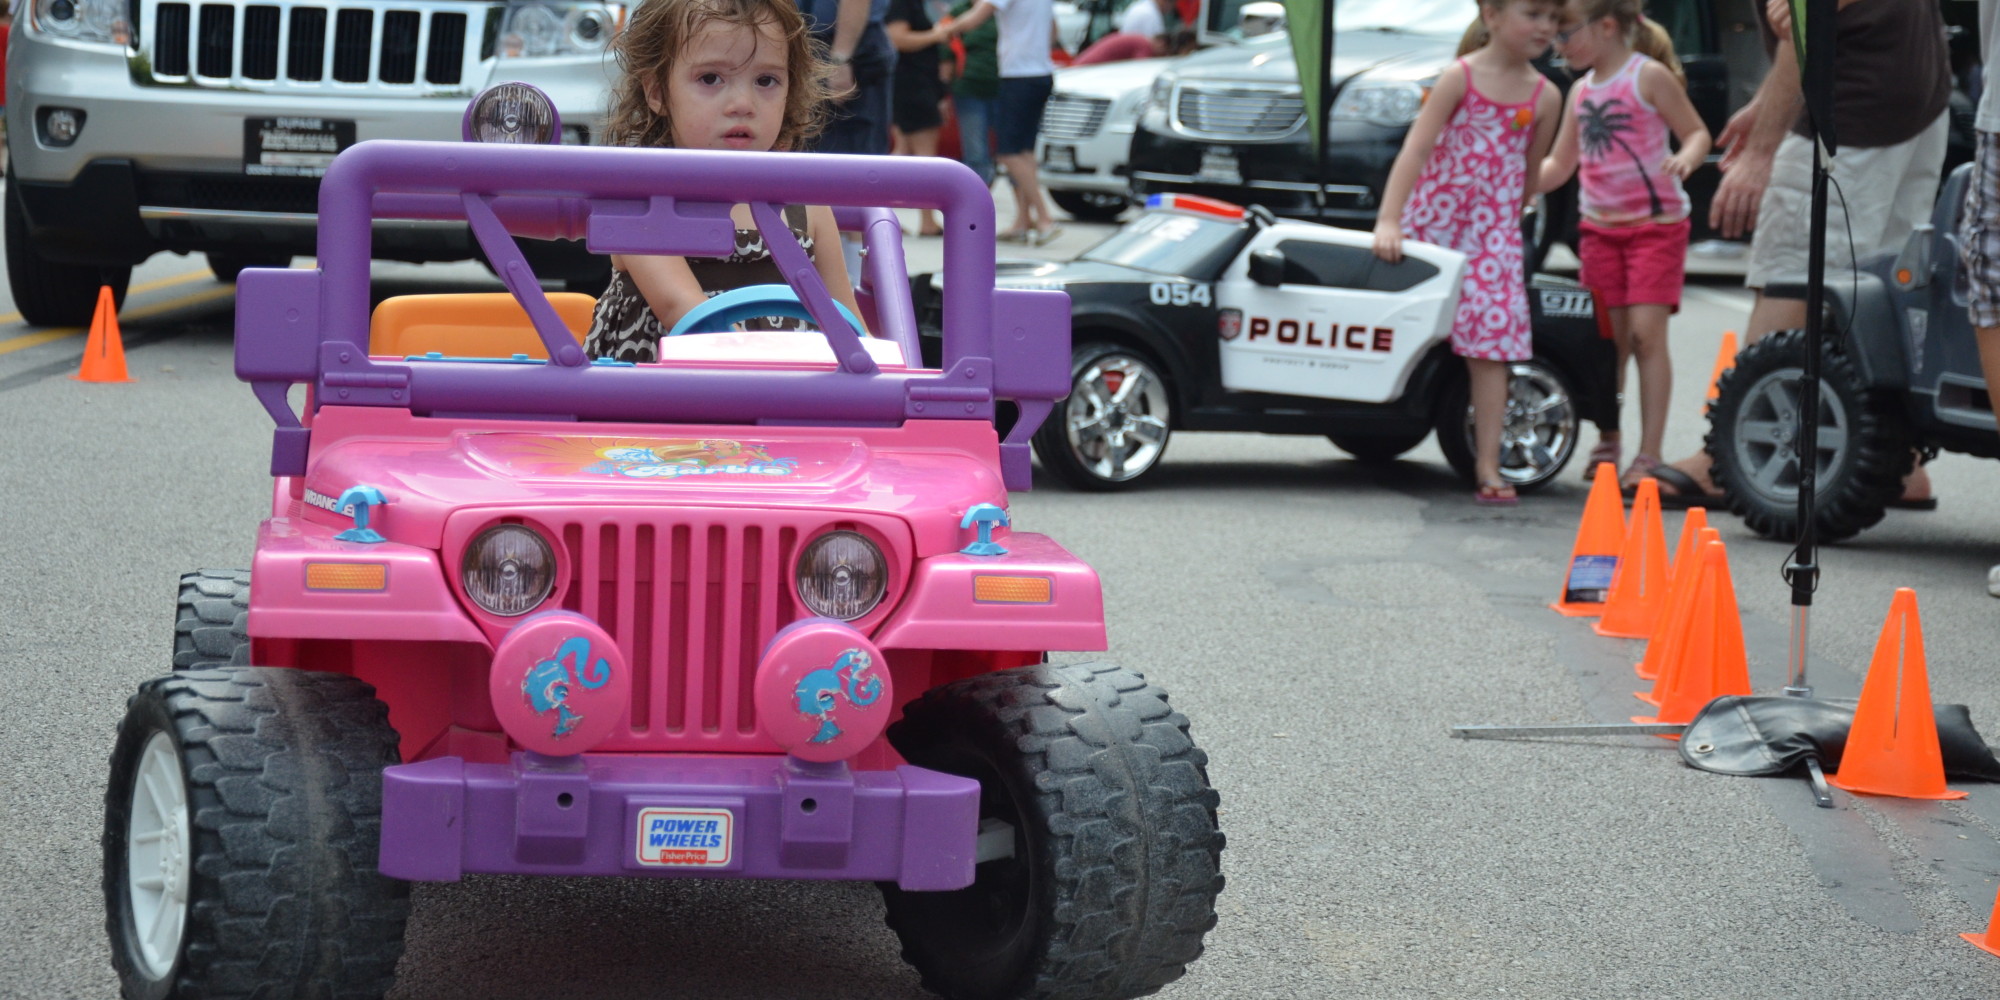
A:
[(842, 575), (100, 21), (542, 30), (1125, 111), (509, 569), (1387, 103), (1159, 94)]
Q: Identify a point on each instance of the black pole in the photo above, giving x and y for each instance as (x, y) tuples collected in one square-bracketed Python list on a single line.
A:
[(1816, 87), (1325, 111)]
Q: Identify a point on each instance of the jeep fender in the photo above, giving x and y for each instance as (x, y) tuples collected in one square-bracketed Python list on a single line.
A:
[(1862, 317), (1035, 596), (311, 585)]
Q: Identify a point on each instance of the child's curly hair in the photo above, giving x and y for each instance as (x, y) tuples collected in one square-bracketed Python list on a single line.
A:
[(658, 31)]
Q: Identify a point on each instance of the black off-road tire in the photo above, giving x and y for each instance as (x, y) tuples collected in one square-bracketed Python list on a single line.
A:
[(1091, 206), (1070, 461), (228, 266), (282, 778), (1862, 477), (47, 292), (212, 619), (1117, 853), (1378, 449)]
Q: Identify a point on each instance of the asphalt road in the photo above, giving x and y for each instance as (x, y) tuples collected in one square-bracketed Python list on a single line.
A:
[(1322, 624)]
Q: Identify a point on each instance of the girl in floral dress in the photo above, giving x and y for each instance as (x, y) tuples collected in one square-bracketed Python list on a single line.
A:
[(1461, 182)]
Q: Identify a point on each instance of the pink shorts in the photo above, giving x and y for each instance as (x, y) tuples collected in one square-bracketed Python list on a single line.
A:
[(1640, 265)]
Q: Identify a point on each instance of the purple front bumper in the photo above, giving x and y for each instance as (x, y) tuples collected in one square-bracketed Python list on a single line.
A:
[(770, 817)]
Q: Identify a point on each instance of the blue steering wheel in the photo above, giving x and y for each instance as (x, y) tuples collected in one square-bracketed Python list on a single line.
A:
[(723, 311)]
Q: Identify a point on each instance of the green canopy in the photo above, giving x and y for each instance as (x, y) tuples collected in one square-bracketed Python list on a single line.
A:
[(1310, 23)]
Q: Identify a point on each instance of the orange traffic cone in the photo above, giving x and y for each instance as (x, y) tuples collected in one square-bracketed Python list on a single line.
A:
[(1725, 359), (1639, 589), (1708, 659), (1680, 574), (1663, 653), (1892, 748), (1593, 561), (104, 352), (1988, 942)]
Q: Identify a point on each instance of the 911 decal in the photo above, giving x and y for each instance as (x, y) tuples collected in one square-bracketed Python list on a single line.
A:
[(1175, 293), (1573, 304)]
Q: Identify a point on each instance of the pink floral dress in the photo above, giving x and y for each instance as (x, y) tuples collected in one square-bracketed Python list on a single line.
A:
[(1469, 199)]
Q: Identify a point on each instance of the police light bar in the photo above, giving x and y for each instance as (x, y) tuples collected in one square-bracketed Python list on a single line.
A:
[(1197, 204)]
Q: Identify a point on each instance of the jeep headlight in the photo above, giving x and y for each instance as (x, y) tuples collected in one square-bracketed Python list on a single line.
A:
[(84, 20), (1386, 103), (540, 30), (509, 569), (842, 575)]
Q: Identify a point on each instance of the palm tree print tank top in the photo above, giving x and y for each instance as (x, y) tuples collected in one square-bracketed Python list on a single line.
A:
[(1623, 142)]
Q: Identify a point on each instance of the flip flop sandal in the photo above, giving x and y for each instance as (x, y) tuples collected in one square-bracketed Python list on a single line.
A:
[(1686, 492), (1491, 495), (1917, 503)]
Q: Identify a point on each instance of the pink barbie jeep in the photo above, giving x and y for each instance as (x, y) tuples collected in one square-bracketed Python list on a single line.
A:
[(754, 611)]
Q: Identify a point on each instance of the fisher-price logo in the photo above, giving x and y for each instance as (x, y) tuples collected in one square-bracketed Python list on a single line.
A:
[(686, 838)]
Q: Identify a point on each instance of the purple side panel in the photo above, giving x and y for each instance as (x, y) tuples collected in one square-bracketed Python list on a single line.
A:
[(541, 815)]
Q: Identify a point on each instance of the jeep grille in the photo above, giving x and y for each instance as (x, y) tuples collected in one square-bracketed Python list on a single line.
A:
[(692, 604), (1070, 117), (1238, 113), (420, 46)]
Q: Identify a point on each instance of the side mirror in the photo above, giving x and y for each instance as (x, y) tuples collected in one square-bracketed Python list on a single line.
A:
[(1267, 267)]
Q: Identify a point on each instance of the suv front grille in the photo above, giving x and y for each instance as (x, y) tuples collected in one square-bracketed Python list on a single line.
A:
[(264, 45), (229, 192), (1069, 118), (1238, 113)]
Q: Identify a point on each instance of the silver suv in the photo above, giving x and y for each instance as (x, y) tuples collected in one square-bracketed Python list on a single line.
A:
[(135, 126)]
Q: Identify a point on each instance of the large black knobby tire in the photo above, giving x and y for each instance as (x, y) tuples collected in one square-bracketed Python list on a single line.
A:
[(1378, 449), (1091, 206), (1538, 434), (1865, 444), (228, 266), (50, 293), (241, 828), (1113, 427), (212, 619), (1116, 861)]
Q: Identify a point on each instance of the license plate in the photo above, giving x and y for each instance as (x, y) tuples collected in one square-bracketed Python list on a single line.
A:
[(677, 837), (1061, 159), (293, 146), (1218, 166)]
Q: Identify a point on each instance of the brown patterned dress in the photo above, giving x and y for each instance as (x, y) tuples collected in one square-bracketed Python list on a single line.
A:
[(625, 328)]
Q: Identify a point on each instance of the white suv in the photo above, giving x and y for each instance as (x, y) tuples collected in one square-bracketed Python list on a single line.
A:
[(135, 126)]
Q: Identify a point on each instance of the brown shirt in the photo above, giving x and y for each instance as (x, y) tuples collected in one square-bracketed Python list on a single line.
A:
[(1891, 71)]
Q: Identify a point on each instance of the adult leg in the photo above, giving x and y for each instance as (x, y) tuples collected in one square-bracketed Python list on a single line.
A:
[(975, 140), (924, 142)]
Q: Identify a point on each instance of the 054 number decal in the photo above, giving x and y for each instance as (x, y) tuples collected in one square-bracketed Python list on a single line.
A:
[(1174, 293)]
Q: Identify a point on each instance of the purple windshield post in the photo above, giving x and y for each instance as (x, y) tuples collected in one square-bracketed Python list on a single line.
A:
[(312, 326)]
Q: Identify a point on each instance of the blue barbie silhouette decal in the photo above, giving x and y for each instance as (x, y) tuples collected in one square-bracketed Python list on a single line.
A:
[(818, 692), (547, 684)]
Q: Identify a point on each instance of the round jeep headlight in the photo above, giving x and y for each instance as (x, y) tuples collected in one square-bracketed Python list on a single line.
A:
[(842, 575), (511, 113), (509, 569)]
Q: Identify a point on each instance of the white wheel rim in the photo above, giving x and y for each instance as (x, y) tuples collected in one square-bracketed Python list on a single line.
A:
[(1538, 432), (157, 845), (1116, 418)]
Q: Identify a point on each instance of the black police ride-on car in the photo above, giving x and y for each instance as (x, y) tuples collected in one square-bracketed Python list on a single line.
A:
[(1899, 375), (1199, 315)]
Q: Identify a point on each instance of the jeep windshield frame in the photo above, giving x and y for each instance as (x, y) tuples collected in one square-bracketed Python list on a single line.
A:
[(311, 326)]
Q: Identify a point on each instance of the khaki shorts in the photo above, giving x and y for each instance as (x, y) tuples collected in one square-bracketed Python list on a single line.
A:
[(1879, 194)]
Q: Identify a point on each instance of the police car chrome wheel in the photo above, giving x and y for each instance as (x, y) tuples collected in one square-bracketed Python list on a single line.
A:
[(1538, 433), (1115, 420), (157, 872)]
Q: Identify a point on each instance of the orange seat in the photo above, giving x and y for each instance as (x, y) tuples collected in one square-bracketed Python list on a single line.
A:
[(469, 324)]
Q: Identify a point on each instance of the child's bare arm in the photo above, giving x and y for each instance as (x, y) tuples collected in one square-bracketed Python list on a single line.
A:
[(831, 263), (669, 287), (1659, 87), (1417, 145), (1560, 164)]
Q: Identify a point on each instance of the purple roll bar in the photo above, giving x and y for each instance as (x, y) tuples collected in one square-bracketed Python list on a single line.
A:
[(312, 326)]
